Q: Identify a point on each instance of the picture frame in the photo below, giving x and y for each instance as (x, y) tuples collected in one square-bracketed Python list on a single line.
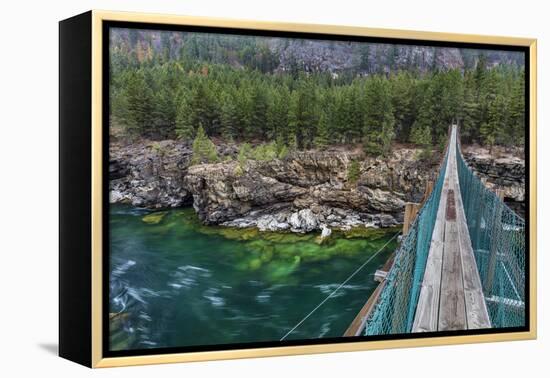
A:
[(84, 112)]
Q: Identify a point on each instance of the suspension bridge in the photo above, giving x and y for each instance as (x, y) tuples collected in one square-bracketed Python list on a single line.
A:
[(459, 265)]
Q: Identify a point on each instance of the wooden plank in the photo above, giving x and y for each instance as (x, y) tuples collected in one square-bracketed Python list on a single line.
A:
[(452, 308), (477, 316), (427, 309), (427, 191)]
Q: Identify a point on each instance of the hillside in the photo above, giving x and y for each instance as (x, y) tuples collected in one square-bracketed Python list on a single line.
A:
[(286, 54)]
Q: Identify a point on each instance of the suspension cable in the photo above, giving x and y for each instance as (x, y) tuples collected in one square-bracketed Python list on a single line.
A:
[(339, 287)]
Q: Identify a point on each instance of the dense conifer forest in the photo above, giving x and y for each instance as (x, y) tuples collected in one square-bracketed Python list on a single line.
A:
[(235, 88)]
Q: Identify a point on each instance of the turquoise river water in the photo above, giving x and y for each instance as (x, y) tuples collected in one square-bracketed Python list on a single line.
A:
[(175, 282)]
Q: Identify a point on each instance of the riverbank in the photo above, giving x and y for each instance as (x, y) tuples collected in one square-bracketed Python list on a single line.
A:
[(335, 189)]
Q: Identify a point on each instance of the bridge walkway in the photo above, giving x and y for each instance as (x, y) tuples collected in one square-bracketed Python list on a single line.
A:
[(451, 296)]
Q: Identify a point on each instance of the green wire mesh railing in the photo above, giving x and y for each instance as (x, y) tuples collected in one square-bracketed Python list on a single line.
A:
[(395, 309), (498, 240)]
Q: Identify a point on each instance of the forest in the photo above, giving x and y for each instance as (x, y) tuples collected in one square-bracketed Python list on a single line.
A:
[(233, 90)]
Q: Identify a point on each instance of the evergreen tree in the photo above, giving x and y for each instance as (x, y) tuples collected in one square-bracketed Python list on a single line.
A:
[(322, 135), (516, 107), (139, 99), (378, 129), (277, 115), (402, 88), (185, 127), (303, 114), (471, 112), (491, 129), (204, 151), (259, 112), (421, 135), (229, 117)]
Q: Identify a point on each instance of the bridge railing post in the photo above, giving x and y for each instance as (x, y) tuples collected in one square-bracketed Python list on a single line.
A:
[(411, 210), (427, 191)]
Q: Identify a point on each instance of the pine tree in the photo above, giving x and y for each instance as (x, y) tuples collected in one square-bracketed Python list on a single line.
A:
[(378, 130), (277, 115), (421, 135), (204, 151), (481, 70), (470, 117), (259, 111), (322, 135), (517, 111), (185, 128), (245, 152), (491, 130), (139, 99), (303, 115), (402, 88), (229, 117)]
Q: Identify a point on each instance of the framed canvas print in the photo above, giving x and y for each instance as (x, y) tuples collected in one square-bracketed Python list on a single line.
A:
[(234, 189)]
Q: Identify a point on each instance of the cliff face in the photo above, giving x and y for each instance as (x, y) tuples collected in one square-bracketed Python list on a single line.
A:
[(302, 192), (310, 54), (502, 170), (306, 190), (149, 174)]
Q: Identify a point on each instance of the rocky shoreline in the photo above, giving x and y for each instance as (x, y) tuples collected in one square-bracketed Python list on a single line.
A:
[(303, 192), (502, 169)]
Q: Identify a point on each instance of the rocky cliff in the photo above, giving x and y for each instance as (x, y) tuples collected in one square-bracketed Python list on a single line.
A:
[(501, 169), (304, 191), (149, 174)]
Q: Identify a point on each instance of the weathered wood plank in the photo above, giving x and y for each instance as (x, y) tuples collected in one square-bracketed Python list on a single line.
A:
[(427, 310), (452, 308), (477, 316)]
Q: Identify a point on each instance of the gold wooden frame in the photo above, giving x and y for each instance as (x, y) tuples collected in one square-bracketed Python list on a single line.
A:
[(97, 97)]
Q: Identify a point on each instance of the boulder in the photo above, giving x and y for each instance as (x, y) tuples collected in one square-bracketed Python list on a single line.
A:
[(303, 221)]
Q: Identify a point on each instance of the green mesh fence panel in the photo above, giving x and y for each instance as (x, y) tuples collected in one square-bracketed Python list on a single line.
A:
[(498, 241), (395, 308)]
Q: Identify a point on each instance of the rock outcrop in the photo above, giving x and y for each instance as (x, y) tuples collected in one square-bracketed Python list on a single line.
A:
[(503, 169), (305, 191), (308, 189), (149, 174)]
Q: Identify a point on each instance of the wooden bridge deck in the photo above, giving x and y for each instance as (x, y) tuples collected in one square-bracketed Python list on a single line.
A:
[(451, 297)]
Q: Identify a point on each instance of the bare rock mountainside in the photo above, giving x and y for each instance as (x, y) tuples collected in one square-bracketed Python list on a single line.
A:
[(305, 191), (309, 54)]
